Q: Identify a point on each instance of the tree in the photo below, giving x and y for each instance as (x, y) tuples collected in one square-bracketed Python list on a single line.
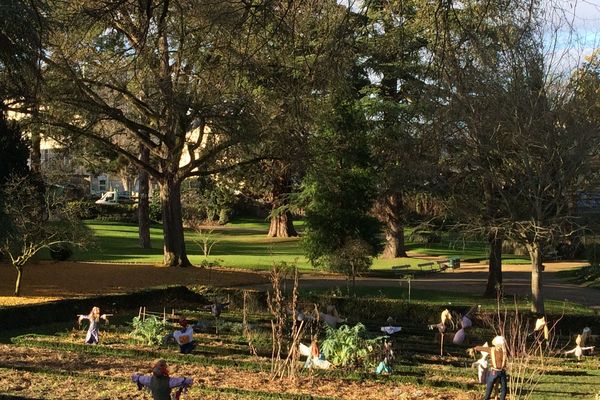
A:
[(31, 219), (174, 76), (21, 33), (514, 134), (13, 162), (168, 75), (473, 49), (340, 190), (393, 99), (36, 221), (292, 74)]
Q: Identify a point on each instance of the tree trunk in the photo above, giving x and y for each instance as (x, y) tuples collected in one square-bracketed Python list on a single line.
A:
[(174, 244), (281, 225), (394, 230), (18, 281), (281, 222), (144, 201), (36, 152), (537, 295), (494, 283)]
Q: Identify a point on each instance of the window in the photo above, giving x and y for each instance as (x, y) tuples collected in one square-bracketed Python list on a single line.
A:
[(102, 184)]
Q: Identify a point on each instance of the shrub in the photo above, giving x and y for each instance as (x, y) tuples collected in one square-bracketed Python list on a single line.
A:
[(155, 209), (61, 251), (149, 331), (348, 346)]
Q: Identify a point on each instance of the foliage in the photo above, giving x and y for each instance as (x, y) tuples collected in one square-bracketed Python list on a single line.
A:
[(14, 150), (149, 330), (348, 346), (207, 199), (351, 259), (155, 211), (339, 191), (21, 34), (84, 209), (588, 276)]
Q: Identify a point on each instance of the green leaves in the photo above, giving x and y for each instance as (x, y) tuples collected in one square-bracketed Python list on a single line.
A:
[(149, 330), (348, 346)]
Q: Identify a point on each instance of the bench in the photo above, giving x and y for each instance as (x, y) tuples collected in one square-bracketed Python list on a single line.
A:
[(426, 265), (398, 270)]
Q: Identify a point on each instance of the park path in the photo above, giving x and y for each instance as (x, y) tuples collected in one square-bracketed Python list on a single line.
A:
[(471, 278), (71, 279)]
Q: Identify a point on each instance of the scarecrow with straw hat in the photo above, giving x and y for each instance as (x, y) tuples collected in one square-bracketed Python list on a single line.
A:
[(498, 358)]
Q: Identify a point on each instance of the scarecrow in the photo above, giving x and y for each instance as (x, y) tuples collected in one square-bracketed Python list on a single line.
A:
[(160, 384), (498, 357), (578, 350), (184, 337), (465, 323), (331, 317), (92, 336), (445, 319)]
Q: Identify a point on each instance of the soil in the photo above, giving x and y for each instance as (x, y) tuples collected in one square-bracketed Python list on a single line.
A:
[(46, 281)]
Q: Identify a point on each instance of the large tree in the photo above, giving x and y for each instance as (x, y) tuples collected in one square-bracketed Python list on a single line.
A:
[(166, 74), (391, 44)]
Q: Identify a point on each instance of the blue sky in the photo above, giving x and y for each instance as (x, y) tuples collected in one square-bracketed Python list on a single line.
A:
[(575, 30)]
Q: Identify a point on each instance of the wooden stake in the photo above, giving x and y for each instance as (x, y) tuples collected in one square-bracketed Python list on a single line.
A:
[(442, 344)]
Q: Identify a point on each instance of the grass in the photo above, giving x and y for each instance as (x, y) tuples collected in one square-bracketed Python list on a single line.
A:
[(444, 298), (244, 244)]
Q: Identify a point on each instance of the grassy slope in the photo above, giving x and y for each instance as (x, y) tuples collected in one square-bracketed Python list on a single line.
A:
[(244, 244)]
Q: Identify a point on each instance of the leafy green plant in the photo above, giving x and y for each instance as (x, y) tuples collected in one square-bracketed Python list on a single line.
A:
[(149, 331), (349, 346)]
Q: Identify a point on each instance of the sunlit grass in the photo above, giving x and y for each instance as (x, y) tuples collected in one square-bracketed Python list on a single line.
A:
[(244, 244)]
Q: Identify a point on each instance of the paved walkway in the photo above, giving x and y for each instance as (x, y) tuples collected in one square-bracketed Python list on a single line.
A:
[(472, 278)]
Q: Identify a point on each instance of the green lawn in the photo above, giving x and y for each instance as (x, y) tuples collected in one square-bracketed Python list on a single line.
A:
[(244, 244), (445, 298)]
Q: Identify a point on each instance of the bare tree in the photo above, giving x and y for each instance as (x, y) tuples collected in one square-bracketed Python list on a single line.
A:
[(36, 221), (519, 142)]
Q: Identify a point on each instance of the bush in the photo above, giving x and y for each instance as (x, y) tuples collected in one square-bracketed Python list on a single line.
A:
[(149, 331), (61, 252), (155, 209), (348, 346)]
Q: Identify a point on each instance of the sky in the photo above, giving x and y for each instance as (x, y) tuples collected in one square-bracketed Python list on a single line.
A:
[(582, 15), (574, 32)]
